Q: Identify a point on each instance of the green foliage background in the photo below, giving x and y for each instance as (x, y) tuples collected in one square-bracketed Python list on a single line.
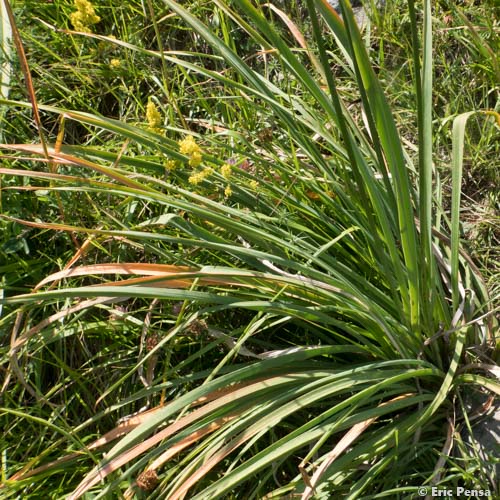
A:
[(302, 309)]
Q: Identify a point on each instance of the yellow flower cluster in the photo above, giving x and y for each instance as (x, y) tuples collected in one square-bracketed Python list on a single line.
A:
[(198, 177), (226, 170), (84, 17), (115, 63), (254, 185), (153, 116), (170, 165), (189, 148)]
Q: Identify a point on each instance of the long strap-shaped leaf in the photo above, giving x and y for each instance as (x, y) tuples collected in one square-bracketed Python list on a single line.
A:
[(375, 101), (365, 179), (458, 134), (423, 92)]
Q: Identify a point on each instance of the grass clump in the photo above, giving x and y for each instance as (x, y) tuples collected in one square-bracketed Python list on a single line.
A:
[(262, 290)]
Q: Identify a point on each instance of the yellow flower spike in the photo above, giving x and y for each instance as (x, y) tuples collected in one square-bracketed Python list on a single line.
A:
[(170, 165), (254, 185), (188, 146), (200, 176), (153, 116), (226, 170), (84, 17), (228, 191), (115, 63), (196, 178), (195, 159)]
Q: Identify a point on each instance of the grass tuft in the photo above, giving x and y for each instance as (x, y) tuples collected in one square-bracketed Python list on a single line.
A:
[(240, 250)]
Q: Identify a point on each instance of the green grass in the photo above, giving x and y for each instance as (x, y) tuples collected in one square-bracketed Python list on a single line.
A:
[(314, 317)]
